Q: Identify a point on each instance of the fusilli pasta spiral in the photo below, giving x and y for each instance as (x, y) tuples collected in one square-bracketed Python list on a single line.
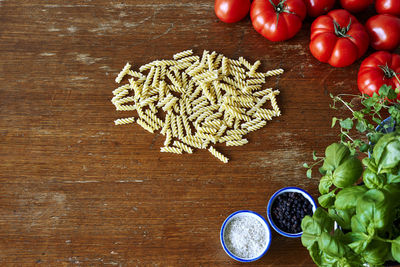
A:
[(206, 99)]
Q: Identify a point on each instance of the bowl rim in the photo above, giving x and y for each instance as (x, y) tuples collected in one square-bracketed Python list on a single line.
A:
[(271, 200), (230, 254), (380, 129), (383, 122)]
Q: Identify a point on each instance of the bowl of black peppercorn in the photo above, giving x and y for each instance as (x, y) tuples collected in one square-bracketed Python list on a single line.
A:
[(287, 207)]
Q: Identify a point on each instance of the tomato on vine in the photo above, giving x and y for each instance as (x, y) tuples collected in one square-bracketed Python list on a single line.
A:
[(338, 38), (230, 11), (391, 7), (384, 31), (277, 20), (355, 6), (317, 8), (378, 69)]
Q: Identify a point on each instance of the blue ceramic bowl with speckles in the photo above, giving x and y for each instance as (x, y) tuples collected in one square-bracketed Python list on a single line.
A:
[(254, 215)]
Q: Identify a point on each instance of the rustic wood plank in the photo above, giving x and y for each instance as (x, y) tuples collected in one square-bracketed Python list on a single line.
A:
[(77, 190)]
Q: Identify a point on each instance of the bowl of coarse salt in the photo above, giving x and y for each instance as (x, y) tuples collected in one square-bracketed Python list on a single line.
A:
[(245, 236)]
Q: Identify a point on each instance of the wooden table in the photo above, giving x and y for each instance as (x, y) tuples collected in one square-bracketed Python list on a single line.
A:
[(77, 190)]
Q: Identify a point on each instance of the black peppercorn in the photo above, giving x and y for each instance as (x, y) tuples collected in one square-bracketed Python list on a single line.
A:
[(288, 209)]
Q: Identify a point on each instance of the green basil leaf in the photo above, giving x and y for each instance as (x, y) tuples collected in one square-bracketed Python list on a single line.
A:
[(373, 180), (380, 146), (347, 173), (358, 241), (376, 205), (376, 252), (327, 200), (311, 231), (370, 164), (360, 223), (320, 221), (342, 217), (315, 253), (324, 184), (347, 198), (396, 249), (332, 245), (339, 234), (308, 239), (346, 124), (322, 217), (351, 260), (393, 178), (335, 154), (390, 158), (328, 260)]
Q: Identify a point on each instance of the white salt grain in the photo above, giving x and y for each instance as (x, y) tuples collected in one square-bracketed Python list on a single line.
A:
[(245, 237)]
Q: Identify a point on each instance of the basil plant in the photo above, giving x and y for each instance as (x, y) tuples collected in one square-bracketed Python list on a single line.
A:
[(358, 221)]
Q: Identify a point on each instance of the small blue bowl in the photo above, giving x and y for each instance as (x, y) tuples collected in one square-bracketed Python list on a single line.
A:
[(285, 190), (259, 219), (381, 128), (388, 121)]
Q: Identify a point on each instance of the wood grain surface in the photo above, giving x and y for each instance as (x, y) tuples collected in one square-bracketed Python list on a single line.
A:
[(75, 190)]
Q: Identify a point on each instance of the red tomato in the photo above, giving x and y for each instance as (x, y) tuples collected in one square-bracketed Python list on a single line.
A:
[(277, 20), (384, 31), (316, 8), (391, 7), (378, 69), (338, 38), (355, 6), (230, 11)]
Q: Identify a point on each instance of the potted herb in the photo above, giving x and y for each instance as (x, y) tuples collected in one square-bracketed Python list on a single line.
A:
[(366, 213)]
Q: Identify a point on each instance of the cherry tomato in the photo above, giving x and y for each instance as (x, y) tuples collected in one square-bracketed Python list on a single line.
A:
[(316, 8), (391, 7), (355, 6), (384, 31), (338, 38), (277, 20), (378, 69), (230, 11)]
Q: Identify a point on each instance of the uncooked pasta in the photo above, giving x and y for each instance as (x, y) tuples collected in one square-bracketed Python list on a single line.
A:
[(171, 149), (123, 72), (218, 155), (198, 101), (124, 121)]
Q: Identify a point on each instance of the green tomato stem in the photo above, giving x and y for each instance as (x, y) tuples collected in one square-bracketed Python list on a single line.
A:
[(279, 8), (342, 31), (389, 73)]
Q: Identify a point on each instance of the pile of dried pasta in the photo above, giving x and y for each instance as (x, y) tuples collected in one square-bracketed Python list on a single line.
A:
[(206, 100)]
